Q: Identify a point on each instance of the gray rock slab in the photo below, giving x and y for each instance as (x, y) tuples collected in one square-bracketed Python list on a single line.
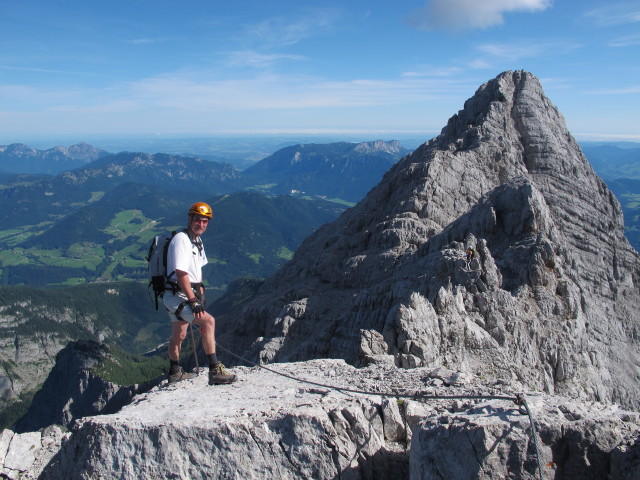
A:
[(271, 426)]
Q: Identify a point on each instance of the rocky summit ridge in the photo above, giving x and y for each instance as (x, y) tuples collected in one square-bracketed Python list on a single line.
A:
[(325, 419), (551, 298)]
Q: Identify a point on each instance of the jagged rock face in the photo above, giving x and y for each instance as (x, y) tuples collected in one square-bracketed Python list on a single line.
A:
[(550, 299), (29, 350), (391, 147), (72, 390), (27, 360), (490, 438)]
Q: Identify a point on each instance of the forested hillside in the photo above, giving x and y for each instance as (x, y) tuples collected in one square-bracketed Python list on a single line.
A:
[(95, 223), (108, 239)]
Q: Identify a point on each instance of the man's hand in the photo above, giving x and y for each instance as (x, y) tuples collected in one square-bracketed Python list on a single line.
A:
[(196, 307)]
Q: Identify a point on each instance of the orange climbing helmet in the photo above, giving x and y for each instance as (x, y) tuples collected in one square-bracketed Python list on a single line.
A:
[(201, 208)]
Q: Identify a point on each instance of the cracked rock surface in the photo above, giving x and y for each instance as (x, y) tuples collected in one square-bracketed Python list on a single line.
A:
[(271, 426)]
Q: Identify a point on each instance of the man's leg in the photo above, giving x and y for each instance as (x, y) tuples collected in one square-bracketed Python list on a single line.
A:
[(207, 326), (218, 374), (178, 334)]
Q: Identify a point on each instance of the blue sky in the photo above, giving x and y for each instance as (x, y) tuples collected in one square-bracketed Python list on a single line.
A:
[(201, 67)]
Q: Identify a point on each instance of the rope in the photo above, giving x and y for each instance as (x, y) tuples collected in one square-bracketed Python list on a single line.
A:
[(518, 399)]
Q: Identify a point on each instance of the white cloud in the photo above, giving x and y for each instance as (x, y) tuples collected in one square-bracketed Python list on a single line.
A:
[(617, 91), (277, 32), (283, 92), (213, 98), (616, 14), (41, 70), (470, 14), (145, 41), (496, 56), (627, 41), (513, 51), (251, 58), (480, 64), (433, 71), (29, 98)]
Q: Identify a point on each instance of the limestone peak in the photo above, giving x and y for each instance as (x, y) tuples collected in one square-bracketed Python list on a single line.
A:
[(550, 297)]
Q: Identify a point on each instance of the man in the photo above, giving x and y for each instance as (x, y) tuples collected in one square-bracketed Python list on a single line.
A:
[(184, 297), (470, 255)]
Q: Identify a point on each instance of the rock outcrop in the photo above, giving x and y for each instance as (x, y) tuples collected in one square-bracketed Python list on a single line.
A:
[(273, 425), (37, 323), (27, 360), (73, 389), (24, 456), (551, 298)]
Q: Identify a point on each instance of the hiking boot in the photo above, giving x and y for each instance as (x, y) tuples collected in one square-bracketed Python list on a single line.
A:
[(179, 375), (219, 375)]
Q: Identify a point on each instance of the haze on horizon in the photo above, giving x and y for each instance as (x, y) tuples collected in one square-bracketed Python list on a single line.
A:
[(369, 69)]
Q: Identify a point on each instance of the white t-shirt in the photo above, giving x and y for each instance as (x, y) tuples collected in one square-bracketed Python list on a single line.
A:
[(184, 255)]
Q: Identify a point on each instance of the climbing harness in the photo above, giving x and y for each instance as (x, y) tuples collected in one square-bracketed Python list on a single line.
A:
[(518, 400)]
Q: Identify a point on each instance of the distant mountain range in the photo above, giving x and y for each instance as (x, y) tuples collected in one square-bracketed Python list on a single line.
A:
[(94, 223), (339, 170), (20, 158), (336, 170)]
